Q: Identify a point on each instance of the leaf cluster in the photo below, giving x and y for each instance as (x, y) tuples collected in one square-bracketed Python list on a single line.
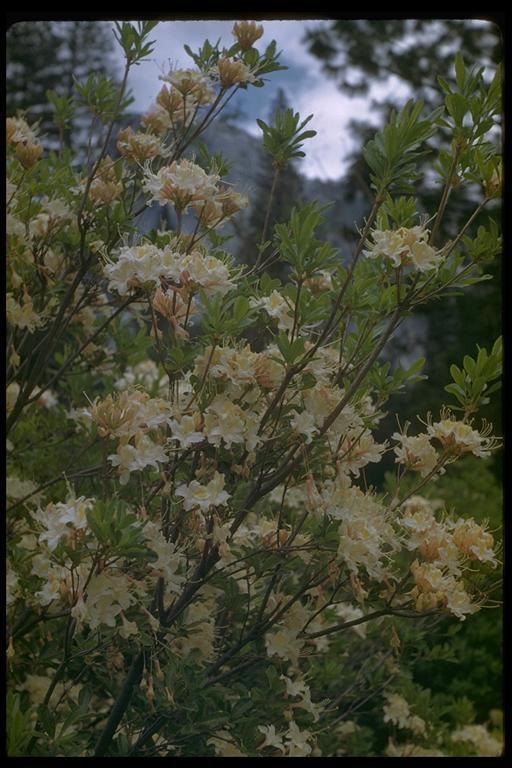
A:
[(283, 139)]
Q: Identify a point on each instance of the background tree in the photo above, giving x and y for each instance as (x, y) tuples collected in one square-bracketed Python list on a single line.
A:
[(282, 196), (48, 55)]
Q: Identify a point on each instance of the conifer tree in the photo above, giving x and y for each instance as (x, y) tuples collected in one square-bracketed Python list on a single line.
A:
[(287, 192), (46, 56)]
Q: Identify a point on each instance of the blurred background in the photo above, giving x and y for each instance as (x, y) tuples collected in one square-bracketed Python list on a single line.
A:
[(349, 74)]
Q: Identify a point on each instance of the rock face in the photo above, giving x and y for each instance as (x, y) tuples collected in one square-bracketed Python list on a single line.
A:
[(245, 154)]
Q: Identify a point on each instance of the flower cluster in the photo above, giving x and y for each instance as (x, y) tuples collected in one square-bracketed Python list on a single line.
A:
[(139, 147), (227, 421), (105, 186), (366, 537), (404, 247), (483, 743), (397, 711), (459, 437), (436, 588), (277, 308), (62, 521), (134, 458), (149, 265), (181, 183), (246, 33), (293, 743), (192, 85), (233, 73), (22, 315), (239, 369), (107, 596), (202, 497), (24, 140), (416, 453)]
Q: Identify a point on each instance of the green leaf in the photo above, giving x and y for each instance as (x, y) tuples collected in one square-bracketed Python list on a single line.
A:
[(460, 71), (19, 726), (457, 375)]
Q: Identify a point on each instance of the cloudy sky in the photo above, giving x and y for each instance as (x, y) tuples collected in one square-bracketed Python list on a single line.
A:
[(308, 90)]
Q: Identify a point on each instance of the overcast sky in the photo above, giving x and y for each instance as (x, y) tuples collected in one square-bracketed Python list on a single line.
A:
[(308, 90)]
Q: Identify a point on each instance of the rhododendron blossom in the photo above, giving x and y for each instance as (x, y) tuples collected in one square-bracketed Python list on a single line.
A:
[(404, 247)]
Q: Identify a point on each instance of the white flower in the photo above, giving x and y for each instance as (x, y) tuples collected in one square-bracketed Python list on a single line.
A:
[(359, 449), (474, 541), (47, 399), (180, 183), (224, 420), (424, 257), (417, 725), (208, 273), (297, 741), (284, 643), (145, 373), (56, 519), (18, 489), (404, 246), (107, 595), (11, 395), (231, 72), (365, 535), (272, 739), (418, 515), (169, 558), (50, 590), (140, 264), (185, 431), (459, 602), (304, 424), (23, 315), (482, 741), (349, 612), (294, 687), (18, 129), (416, 453), (299, 688), (461, 437), (191, 83), (14, 226), (11, 587), (200, 628), (203, 496), (396, 710), (276, 307), (37, 687), (386, 243), (133, 458)]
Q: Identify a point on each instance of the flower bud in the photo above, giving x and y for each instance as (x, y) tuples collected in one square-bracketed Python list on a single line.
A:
[(28, 153), (246, 33)]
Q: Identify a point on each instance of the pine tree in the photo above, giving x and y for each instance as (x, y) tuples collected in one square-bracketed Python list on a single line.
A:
[(361, 52), (288, 192)]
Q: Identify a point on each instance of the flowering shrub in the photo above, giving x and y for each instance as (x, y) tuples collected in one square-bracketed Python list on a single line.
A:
[(197, 564)]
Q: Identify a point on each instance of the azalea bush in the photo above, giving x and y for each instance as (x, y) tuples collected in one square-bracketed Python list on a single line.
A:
[(198, 563)]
